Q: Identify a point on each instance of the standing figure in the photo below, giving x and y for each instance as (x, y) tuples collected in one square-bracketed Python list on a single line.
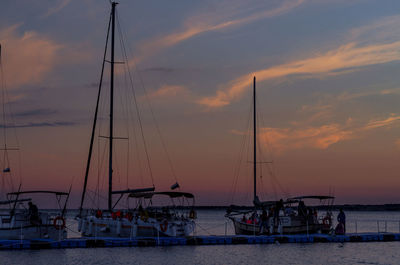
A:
[(341, 227), (33, 213)]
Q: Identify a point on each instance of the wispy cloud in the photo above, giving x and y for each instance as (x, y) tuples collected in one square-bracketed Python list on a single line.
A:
[(350, 96), (27, 58), (40, 124), (217, 21), (382, 123), (159, 69), (320, 137), (312, 137), (344, 58), (168, 91), (386, 29), (35, 112), (57, 8)]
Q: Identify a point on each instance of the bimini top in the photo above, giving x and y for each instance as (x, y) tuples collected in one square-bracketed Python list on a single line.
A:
[(59, 193), (317, 197), (131, 191), (171, 194)]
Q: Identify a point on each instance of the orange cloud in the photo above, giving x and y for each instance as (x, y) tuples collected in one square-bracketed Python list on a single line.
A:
[(26, 58), (168, 91), (53, 10), (343, 58), (206, 23), (312, 137), (318, 137), (382, 123)]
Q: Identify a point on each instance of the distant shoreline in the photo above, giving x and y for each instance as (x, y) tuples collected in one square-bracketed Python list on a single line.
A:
[(345, 207), (336, 207)]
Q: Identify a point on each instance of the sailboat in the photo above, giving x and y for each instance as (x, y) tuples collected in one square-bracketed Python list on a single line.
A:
[(145, 219), (21, 219), (290, 216)]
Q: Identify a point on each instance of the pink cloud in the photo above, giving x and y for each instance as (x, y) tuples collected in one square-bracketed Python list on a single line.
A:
[(346, 56), (311, 137), (168, 91), (318, 137), (203, 23), (27, 57)]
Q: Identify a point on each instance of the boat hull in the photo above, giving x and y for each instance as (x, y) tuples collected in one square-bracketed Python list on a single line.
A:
[(92, 226), (286, 225), (19, 226)]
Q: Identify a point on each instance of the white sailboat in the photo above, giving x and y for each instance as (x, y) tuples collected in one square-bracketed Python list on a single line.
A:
[(144, 219), (19, 217), (278, 217)]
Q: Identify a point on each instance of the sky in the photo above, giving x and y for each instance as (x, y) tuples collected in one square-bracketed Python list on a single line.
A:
[(327, 83)]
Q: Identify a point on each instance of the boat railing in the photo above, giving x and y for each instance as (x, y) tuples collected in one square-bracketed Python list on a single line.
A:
[(377, 225)]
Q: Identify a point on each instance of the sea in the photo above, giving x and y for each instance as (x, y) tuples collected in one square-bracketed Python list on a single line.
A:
[(213, 222)]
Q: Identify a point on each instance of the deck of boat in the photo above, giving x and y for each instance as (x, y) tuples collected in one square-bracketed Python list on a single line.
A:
[(195, 240)]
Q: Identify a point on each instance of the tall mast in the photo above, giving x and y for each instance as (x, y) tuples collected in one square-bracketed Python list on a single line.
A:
[(110, 169), (94, 122), (255, 140)]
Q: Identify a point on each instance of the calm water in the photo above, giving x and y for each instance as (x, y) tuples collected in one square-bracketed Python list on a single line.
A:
[(213, 222)]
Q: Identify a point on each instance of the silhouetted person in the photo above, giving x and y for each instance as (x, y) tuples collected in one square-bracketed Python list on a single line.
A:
[(244, 220), (278, 208), (264, 221), (33, 213), (342, 219), (302, 209)]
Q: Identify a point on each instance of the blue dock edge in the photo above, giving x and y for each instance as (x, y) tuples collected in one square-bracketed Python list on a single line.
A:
[(193, 240)]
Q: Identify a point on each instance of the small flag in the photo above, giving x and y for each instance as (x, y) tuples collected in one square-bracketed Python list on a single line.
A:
[(6, 170), (175, 186)]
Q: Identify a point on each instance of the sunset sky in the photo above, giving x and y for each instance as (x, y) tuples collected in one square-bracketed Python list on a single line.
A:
[(328, 92)]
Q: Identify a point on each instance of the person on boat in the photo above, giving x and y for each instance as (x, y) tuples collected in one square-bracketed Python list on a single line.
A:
[(342, 219), (302, 209), (253, 218), (310, 216), (33, 213), (315, 215), (278, 208), (327, 221), (264, 221), (143, 214), (244, 220)]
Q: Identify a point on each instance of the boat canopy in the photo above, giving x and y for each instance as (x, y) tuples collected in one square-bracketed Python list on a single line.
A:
[(171, 194), (58, 193), (317, 197), (132, 191), (271, 203)]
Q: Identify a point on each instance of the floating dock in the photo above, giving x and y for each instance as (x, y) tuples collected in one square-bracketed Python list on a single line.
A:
[(194, 240)]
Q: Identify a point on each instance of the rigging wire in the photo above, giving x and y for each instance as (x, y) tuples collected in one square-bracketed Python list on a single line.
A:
[(135, 100), (6, 170), (239, 161), (150, 107), (271, 169)]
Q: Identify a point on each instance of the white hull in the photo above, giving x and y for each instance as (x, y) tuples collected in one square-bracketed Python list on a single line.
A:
[(286, 225), (19, 226), (92, 226)]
